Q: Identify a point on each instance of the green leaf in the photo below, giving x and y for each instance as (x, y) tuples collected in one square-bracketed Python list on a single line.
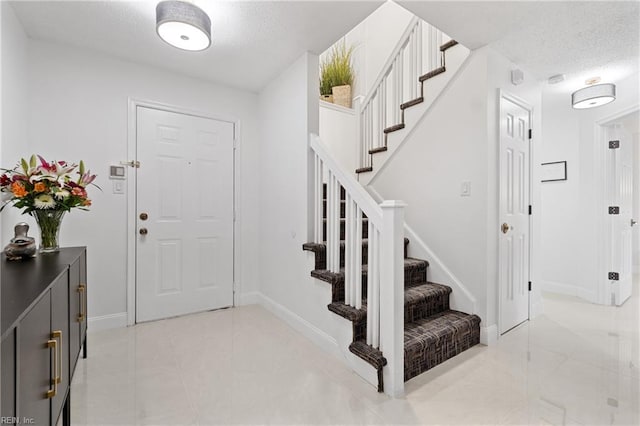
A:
[(81, 168), (25, 166), (32, 161)]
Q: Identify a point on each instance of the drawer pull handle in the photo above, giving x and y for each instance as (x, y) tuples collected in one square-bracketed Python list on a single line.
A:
[(53, 344), (58, 334), (81, 289)]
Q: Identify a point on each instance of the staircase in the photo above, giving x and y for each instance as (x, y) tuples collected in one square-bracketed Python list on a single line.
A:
[(419, 57), (433, 333), (402, 324)]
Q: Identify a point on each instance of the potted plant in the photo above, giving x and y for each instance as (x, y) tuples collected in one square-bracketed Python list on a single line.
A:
[(325, 83), (337, 72)]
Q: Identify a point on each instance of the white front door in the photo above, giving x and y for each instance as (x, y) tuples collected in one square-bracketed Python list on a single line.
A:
[(513, 229), (184, 214), (620, 195)]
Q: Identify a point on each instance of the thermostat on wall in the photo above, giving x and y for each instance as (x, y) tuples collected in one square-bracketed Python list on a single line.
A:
[(116, 172)]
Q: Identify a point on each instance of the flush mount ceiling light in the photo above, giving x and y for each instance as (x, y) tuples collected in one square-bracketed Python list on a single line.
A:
[(593, 96), (183, 25)]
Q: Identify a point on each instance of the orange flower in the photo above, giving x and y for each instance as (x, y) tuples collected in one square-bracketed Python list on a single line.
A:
[(39, 187), (18, 189), (86, 202), (79, 192)]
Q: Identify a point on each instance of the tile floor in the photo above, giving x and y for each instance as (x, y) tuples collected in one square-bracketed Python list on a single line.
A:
[(576, 364)]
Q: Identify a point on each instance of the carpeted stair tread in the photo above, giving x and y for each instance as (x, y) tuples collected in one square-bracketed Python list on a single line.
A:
[(368, 353), (432, 74), (349, 312), (410, 265), (424, 300), (377, 150), (364, 169), (412, 102), (448, 45), (431, 341)]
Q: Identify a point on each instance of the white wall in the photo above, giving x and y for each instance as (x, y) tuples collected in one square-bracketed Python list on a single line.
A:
[(636, 200), (288, 112), (571, 211), (14, 142), (456, 141), (373, 40), (338, 131), (78, 104)]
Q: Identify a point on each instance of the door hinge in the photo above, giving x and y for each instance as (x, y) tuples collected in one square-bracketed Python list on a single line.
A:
[(133, 163), (614, 210), (529, 285), (614, 276), (530, 209), (614, 144), (530, 133)]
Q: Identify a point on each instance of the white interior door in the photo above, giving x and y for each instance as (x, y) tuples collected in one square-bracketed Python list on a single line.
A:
[(184, 262), (620, 194), (513, 229)]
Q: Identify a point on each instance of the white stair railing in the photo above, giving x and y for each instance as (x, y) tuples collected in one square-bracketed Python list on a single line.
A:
[(385, 264), (417, 53)]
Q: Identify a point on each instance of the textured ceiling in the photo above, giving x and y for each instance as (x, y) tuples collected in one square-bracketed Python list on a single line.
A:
[(253, 41), (577, 38)]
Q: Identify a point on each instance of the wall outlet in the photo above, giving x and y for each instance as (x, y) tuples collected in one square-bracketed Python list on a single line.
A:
[(465, 189)]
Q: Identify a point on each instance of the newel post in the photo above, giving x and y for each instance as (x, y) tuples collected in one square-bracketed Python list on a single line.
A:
[(392, 295)]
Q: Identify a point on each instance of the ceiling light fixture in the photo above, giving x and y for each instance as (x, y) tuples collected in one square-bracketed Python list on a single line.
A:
[(183, 25), (593, 96)]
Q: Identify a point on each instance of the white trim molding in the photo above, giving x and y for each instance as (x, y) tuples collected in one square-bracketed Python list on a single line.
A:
[(489, 335), (107, 322), (335, 107)]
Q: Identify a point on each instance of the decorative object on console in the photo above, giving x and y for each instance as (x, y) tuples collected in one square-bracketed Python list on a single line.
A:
[(21, 246), (47, 191), (337, 75)]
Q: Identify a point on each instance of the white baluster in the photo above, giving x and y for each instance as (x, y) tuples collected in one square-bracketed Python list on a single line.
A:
[(380, 128), (370, 295), (375, 285), (348, 251), (419, 53), (383, 91), (412, 66), (357, 261), (329, 221), (318, 197), (336, 228)]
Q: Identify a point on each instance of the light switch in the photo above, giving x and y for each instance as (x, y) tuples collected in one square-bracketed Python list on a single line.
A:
[(465, 189), (118, 187)]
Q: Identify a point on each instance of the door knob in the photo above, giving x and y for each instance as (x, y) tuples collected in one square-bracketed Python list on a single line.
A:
[(633, 222), (143, 231), (505, 228), (144, 216)]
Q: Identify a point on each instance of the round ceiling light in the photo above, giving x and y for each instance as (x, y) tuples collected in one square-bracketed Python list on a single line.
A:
[(593, 96), (183, 25)]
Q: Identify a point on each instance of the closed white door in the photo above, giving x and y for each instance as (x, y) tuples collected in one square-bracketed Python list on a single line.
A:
[(620, 194), (513, 229), (184, 249)]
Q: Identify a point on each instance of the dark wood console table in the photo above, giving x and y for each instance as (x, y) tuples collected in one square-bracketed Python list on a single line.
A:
[(43, 328)]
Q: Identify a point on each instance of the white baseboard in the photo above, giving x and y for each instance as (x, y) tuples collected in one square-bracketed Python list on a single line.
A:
[(310, 331), (107, 322), (569, 290), (489, 335), (249, 298)]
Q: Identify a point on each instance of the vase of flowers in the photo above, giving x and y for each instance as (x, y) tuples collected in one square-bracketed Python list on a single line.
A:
[(47, 190)]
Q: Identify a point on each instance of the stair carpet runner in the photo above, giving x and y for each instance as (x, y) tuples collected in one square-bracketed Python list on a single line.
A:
[(433, 333), (422, 79)]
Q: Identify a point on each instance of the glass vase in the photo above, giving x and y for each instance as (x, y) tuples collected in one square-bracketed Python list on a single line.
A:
[(49, 222)]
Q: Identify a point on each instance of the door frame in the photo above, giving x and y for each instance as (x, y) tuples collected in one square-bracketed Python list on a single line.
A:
[(132, 127), (601, 148), (502, 94)]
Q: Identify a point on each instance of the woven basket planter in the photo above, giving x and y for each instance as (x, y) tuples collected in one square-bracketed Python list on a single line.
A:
[(327, 98), (342, 95)]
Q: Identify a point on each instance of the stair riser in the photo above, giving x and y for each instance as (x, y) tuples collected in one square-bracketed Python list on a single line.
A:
[(321, 254), (411, 276), (414, 311), (443, 349)]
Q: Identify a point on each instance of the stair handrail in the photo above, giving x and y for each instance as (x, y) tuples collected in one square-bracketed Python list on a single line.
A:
[(391, 59), (367, 203), (385, 255)]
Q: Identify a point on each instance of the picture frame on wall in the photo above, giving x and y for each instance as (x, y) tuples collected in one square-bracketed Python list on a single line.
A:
[(554, 171)]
